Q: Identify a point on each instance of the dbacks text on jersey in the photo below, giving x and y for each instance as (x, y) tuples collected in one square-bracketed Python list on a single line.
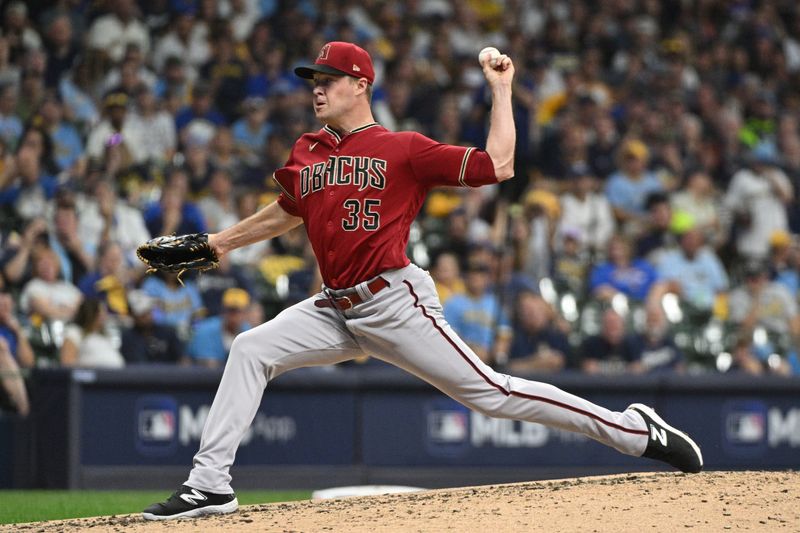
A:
[(361, 171)]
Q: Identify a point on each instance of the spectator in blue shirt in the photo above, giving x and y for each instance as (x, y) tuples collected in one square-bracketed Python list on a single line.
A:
[(201, 109), (174, 82), (10, 124), (176, 305), (628, 188), (28, 192), (538, 345), (693, 271), (250, 132), (213, 336), (74, 89), (271, 78), (67, 145), (174, 213), (475, 314), (634, 278), (784, 259)]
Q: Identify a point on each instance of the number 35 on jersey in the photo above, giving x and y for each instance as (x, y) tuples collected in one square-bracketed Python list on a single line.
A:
[(361, 213)]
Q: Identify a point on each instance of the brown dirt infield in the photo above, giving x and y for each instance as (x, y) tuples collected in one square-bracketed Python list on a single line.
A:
[(711, 501)]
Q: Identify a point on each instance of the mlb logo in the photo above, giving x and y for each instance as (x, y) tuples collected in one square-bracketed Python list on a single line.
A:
[(156, 425), (746, 428), (448, 427), (156, 419)]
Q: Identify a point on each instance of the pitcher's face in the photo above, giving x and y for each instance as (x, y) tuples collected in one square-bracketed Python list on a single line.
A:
[(334, 97)]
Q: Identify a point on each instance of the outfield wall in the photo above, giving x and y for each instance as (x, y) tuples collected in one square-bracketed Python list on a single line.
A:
[(139, 427)]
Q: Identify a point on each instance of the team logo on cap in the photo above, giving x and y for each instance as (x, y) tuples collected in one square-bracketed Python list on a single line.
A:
[(355, 68), (323, 53)]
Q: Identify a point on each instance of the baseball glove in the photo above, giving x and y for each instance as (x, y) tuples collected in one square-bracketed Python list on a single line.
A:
[(178, 253)]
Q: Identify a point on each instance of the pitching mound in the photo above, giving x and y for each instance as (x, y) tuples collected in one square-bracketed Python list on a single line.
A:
[(714, 501)]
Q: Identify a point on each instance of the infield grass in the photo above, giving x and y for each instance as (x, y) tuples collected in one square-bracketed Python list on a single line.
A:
[(17, 506)]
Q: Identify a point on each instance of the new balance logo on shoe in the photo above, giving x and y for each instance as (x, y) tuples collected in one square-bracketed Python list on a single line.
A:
[(195, 497), (678, 450), (658, 434)]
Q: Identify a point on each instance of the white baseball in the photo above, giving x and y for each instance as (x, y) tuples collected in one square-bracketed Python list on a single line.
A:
[(495, 53)]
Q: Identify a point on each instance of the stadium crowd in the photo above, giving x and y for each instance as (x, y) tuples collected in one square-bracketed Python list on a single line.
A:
[(652, 224)]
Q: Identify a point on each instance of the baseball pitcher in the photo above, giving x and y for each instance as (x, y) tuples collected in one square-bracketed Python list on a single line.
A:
[(357, 187)]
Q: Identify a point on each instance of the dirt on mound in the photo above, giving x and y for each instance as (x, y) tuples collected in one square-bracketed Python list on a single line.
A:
[(712, 501)]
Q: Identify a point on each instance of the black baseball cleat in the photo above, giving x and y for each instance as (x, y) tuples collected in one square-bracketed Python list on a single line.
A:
[(665, 443), (187, 502)]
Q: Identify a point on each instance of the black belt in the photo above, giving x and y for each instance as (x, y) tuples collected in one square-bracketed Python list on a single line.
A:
[(343, 303)]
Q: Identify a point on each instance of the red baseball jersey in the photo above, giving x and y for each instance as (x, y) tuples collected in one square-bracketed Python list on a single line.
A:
[(359, 194)]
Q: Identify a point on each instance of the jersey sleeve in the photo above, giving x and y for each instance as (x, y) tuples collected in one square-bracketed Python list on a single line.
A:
[(436, 164), (287, 199)]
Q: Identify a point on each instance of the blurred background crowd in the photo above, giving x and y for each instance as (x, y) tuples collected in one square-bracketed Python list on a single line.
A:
[(652, 225)]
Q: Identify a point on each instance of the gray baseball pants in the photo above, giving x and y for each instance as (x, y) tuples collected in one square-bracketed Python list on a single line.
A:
[(402, 325)]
